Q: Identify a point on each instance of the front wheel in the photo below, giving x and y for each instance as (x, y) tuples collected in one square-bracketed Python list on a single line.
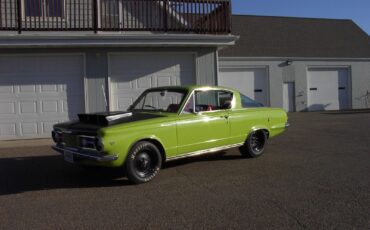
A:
[(255, 144), (143, 162)]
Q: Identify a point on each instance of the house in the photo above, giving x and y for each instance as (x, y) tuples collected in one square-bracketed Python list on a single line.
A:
[(59, 58), (301, 64)]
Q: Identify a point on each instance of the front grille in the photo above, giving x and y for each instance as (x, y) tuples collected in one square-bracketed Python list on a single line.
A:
[(70, 140)]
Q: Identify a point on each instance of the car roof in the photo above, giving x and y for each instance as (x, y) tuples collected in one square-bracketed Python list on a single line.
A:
[(193, 87)]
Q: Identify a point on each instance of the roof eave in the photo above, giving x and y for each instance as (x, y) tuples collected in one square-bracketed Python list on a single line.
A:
[(111, 40)]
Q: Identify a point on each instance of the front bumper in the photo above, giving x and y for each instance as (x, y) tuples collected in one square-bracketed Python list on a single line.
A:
[(85, 154)]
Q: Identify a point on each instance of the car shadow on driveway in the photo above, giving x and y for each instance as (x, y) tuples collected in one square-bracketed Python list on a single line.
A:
[(34, 173)]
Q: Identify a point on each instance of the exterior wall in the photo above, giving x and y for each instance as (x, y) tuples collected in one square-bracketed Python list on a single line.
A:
[(96, 61), (280, 72)]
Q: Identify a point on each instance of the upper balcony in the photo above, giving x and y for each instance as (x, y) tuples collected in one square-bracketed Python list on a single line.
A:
[(156, 16)]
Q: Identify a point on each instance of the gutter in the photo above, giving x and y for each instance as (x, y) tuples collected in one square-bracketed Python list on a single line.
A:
[(114, 40), (293, 59)]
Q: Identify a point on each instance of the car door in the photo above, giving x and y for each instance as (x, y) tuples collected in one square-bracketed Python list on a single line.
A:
[(204, 121)]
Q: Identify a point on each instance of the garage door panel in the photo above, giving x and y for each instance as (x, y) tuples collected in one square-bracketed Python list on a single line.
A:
[(163, 80), (131, 74), (28, 128), (8, 130), (144, 82), (49, 106), (41, 91), (28, 107), (7, 108), (124, 102), (47, 88), (4, 89)]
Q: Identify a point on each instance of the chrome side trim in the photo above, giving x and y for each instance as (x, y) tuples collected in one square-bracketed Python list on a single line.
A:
[(95, 156), (205, 151)]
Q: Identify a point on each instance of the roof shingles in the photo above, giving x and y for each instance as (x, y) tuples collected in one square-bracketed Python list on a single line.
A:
[(265, 36)]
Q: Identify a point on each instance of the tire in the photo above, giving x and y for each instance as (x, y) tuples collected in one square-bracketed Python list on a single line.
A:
[(255, 145), (143, 162)]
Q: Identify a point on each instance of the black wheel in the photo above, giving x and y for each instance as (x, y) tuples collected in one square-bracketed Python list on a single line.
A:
[(143, 162), (255, 144)]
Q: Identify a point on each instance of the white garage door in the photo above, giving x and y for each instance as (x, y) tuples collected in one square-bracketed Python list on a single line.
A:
[(252, 82), (131, 73), (36, 91), (328, 89)]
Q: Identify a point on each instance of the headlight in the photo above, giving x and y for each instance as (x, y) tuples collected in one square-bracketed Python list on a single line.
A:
[(87, 142), (57, 136), (99, 145)]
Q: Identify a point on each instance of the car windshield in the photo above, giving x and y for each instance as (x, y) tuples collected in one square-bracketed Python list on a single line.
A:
[(249, 103), (162, 100)]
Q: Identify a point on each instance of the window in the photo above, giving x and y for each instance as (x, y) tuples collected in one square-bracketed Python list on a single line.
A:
[(44, 8), (159, 100), (209, 101), (249, 103)]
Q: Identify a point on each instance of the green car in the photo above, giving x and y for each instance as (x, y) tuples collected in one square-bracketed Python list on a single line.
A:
[(169, 123)]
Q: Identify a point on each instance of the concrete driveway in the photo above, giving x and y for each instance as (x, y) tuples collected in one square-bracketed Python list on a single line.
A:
[(315, 176)]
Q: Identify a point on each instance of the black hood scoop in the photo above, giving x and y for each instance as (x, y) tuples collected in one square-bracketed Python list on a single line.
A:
[(112, 118)]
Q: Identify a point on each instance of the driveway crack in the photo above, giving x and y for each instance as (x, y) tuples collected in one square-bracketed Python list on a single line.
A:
[(302, 225)]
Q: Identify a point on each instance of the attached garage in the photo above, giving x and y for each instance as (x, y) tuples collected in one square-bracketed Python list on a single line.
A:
[(328, 89), (252, 82), (131, 73), (37, 91)]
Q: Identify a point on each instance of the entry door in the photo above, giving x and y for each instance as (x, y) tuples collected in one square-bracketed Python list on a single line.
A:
[(252, 82), (328, 89), (288, 97)]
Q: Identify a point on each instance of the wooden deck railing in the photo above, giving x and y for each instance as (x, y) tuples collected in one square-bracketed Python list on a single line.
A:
[(196, 16)]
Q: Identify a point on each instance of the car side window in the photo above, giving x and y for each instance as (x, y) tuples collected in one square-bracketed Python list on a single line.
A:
[(189, 107), (212, 100), (248, 102)]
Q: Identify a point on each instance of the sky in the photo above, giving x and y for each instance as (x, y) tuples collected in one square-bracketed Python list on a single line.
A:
[(357, 10)]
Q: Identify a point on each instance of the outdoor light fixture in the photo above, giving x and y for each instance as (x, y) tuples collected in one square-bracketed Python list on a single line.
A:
[(288, 62)]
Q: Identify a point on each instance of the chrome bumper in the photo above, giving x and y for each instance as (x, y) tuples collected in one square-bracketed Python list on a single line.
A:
[(86, 155), (287, 125)]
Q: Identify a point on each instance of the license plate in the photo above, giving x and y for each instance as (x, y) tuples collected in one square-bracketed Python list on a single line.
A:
[(68, 156)]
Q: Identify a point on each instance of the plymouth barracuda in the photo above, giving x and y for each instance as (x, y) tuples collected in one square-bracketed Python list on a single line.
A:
[(169, 123)]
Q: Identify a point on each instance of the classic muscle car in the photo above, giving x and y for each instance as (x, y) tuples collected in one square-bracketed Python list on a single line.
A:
[(169, 123)]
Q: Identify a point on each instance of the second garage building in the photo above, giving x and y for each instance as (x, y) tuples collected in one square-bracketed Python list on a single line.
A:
[(301, 64)]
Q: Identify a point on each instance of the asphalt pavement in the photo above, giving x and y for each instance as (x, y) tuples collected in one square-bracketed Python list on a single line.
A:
[(315, 176)]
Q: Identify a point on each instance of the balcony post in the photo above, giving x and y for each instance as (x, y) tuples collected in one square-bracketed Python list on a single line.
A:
[(230, 17), (95, 16), (165, 15), (19, 15)]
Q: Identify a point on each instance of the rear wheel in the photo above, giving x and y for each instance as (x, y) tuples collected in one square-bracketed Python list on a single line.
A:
[(255, 144), (143, 162)]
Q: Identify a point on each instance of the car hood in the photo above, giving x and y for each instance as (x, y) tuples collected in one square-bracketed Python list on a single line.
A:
[(94, 121)]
